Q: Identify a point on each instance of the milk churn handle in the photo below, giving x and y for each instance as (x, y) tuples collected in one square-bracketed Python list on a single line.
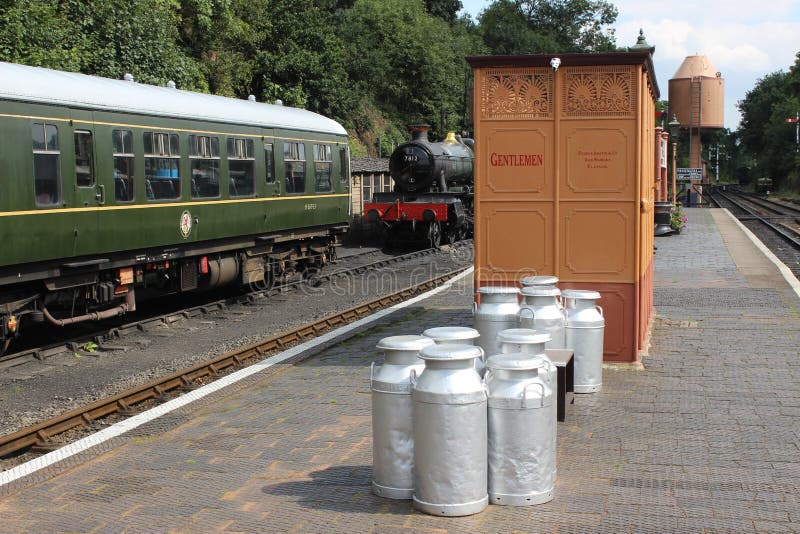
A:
[(483, 354), (474, 307), (412, 378), (525, 393), (371, 373), (600, 309), (528, 310)]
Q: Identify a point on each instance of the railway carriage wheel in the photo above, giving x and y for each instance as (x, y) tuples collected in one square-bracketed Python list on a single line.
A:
[(435, 234)]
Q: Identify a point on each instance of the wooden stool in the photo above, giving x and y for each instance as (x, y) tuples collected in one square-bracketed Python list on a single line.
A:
[(563, 358)]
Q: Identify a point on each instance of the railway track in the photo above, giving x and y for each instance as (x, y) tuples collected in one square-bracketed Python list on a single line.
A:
[(776, 224), (106, 337), (56, 432)]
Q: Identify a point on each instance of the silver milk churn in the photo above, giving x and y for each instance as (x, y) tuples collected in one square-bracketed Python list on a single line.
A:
[(526, 341), (456, 335), (584, 335), (521, 425), (541, 311), (450, 435), (498, 310), (545, 282), (392, 407)]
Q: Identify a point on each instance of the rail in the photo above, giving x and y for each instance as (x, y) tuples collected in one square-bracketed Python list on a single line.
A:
[(39, 437)]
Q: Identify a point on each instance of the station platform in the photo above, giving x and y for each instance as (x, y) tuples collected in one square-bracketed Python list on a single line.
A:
[(704, 437)]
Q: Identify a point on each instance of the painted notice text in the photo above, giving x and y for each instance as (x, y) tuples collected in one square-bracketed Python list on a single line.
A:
[(516, 160)]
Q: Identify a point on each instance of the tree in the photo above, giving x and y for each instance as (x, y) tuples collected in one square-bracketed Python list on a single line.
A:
[(406, 65), (765, 136), (102, 37), (548, 26), (447, 10)]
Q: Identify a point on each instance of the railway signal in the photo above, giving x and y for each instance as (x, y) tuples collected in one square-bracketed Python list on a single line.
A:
[(796, 121)]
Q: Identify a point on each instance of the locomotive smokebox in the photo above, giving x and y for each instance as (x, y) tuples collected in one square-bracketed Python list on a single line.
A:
[(421, 166)]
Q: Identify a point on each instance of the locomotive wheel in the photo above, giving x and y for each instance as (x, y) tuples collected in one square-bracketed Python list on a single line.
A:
[(435, 234)]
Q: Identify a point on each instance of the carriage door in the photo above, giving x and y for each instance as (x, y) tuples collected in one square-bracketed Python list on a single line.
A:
[(272, 184), (88, 191)]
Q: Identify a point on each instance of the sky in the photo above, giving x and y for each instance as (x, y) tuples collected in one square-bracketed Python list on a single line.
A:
[(743, 39)]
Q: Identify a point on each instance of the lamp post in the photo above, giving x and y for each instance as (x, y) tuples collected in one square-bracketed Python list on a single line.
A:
[(674, 129)]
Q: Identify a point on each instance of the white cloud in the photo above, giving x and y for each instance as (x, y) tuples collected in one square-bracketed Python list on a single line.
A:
[(743, 39), (742, 50)]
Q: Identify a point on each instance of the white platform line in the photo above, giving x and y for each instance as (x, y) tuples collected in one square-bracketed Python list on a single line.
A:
[(790, 278), (149, 415)]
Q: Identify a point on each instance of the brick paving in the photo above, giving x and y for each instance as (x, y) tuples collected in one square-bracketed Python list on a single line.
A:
[(704, 439)]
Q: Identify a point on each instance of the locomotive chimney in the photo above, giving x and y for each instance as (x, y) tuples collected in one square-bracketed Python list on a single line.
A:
[(419, 131)]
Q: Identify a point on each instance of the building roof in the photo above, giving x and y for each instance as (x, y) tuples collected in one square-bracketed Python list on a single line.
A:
[(46, 86), (369, 165), (695, 66), (633, 57)]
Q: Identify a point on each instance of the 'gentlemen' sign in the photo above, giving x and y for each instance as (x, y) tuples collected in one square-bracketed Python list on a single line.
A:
[(516, 160)]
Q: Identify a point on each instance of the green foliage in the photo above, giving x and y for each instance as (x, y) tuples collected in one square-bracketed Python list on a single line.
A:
[(406, 64), (444, 9), (38, 33), (767, 141), (548, 26), (103, 37), (677, 219), (373, 65)]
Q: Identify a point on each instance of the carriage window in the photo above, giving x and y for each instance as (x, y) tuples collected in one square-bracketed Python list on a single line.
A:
[(344, 164), (84, 161), (46, 164), (294, 163), (204, 158), (323, 166), (241, 164), (122, 141), (269, 157), (161, 166)]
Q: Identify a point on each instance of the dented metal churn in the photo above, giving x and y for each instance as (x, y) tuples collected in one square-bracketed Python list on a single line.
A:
[(526, 341), (584, 335), (498, 310), (450, 433), (392, 429), (521, 424), (541, 311)]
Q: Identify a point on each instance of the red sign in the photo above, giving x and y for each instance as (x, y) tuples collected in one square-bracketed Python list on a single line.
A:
[(791, 120), (516, 160)]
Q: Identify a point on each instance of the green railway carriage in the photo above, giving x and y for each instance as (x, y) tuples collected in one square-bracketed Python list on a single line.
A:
[(111, 188)]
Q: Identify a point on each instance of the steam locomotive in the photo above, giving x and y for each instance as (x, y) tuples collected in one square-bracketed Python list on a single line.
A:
[(432, 202)]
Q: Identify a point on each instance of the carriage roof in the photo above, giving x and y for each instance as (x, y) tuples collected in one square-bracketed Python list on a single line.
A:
[(46, 86)]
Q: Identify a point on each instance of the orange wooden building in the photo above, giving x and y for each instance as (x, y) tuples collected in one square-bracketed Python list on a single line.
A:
[(564, 179)]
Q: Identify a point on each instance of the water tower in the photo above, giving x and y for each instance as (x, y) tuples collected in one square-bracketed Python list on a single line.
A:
[(697, 98)]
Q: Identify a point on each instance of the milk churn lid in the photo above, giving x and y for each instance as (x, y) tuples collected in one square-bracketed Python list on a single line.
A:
[(580, 294), (515, 361), (536, 291), (404, 343), (451, 333), (524, 336), (498, 290), (539, 280), (451, 352)]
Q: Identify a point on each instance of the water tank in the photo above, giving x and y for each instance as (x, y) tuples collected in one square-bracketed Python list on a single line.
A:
[(697, 94)]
